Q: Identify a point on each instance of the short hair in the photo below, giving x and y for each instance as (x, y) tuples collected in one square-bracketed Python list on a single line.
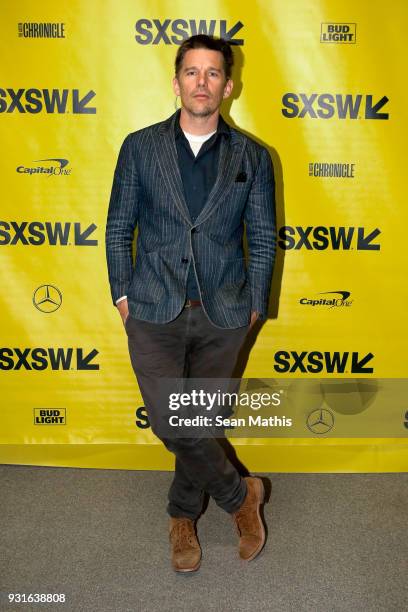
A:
[(202, 41)]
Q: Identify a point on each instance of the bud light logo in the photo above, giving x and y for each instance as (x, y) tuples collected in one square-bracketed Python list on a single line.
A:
[(338, 33)]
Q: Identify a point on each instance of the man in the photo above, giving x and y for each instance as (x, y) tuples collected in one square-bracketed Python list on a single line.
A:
[(189, 184)]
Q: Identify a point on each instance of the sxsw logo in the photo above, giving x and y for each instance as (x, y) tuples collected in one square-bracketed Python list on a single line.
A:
[(36, 233), (175, 31), (327, 105), (142, 420), (40, 358), (338, 33), (57, 101), (320, 238), (50, 416), (314, 362)]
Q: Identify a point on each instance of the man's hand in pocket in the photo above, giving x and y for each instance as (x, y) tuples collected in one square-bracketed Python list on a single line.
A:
[(254, 318), (123, 308)]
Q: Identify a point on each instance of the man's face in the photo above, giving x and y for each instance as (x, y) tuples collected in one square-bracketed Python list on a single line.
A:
[(201, 82)]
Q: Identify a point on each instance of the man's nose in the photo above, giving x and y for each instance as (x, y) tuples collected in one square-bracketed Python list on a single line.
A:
[(202, 79)]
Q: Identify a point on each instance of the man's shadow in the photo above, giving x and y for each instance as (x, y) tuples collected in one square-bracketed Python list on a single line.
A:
[(273, 307), (262, 102)]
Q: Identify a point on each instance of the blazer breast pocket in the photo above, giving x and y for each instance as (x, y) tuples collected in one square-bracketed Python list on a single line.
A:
[(241, 177)]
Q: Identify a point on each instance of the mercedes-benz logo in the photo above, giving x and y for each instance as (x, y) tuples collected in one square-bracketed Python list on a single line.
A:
[(47, 298), (320, 421)]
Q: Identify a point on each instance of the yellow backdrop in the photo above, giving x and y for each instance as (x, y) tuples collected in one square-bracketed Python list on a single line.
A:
[(321, 84)]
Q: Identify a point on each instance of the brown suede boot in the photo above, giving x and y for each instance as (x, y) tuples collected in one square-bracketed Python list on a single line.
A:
[(248, 520), (186, 551)]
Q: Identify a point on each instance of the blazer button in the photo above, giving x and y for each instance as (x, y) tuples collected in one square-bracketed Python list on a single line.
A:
[(195, 230), (184, 260)]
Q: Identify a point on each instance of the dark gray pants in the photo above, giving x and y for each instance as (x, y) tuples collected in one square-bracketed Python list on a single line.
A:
[(189, 346)]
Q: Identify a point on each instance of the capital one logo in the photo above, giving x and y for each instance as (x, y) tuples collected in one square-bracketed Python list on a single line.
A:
[(52, 101), (327, 106), (58, 169), (175, 31)]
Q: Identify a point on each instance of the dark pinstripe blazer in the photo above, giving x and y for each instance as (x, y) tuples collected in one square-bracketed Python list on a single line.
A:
[(147, 191)]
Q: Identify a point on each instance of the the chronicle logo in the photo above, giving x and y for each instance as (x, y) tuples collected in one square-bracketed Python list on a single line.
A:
[(344, 33), (330, 302), (46, 358), (36, 29), (315, 362), (57, 101), (175, 31), (331, 170), (47, 298), (327, 105), (54, 233), (50, 416), (321, 238), (58, 169)]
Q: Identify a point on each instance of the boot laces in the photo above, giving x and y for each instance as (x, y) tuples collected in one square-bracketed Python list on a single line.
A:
[(245, 520), (183, 533)]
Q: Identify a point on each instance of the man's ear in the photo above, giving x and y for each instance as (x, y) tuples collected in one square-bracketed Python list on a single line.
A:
[(176, 87), (228, 88)]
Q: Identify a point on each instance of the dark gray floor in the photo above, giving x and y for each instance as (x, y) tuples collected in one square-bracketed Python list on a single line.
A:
[(336, 542)]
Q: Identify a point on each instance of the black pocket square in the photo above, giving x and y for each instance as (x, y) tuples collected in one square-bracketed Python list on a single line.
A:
[(241, 177)]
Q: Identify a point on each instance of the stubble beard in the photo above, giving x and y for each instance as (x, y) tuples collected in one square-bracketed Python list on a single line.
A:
[(205, 111)]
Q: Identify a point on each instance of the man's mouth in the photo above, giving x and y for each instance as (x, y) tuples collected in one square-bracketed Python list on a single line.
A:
[(201, 95)]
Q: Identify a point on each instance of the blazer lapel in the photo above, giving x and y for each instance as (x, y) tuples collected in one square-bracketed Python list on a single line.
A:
[(166, 154), (231, 152)]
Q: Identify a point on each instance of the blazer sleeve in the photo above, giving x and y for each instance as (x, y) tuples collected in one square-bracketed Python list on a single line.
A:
[(260, 221), (122, 219)]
